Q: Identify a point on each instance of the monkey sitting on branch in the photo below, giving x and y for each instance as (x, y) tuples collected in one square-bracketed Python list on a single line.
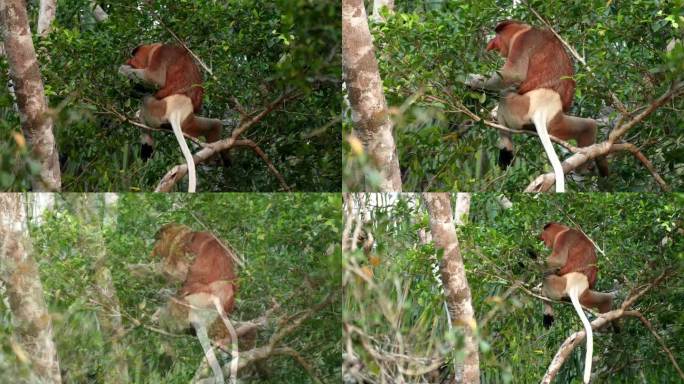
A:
[(205, 267), (178, 100), (540, 74), (571, 273)]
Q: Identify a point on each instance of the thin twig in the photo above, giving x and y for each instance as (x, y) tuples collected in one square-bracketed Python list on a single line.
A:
[(254, 147), (182, 43), (660, 340)]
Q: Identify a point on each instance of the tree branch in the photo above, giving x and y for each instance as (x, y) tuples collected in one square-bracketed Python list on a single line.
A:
[(576, 338), (176, 173)]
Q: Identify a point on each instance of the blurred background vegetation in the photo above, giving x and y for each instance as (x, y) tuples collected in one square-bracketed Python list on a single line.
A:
[(291, 247), (640, 235), (256, 51), (426, 49)]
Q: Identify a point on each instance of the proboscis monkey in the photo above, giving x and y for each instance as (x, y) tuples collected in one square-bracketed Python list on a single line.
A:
[(204, 266), (173, 69), (538, 84), (572, 273)]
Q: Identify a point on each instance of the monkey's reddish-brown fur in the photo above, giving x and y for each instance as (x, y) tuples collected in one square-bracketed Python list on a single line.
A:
[(537, 59), (174, 70), (199, 260), (181, 75), (212, 263), (549, 66), (572, 251)]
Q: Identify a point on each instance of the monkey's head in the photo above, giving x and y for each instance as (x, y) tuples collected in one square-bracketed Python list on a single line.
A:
[(171, 246), (140, 56), (548, 235), (504, 33)]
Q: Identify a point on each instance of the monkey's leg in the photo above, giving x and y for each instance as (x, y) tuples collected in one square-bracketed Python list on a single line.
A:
[(505, 150), (553, 288), (146, 146), (512, 113), (583, 131), (548, 315), (211, 129), (209, 351), (602, 301)]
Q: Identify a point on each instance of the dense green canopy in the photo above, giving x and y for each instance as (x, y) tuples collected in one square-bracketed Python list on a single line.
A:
[(256, 51), (290, 244), (427, 48), (639, 237)]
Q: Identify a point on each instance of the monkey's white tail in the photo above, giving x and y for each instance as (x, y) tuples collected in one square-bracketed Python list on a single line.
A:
[(203, 338), (577, 285), (176, 118), (540, 117), (235, 354)]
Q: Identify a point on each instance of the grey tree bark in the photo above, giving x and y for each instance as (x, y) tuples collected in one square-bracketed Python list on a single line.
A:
[(99, 13), (377, 7), (456, 288), (19, 273), (36, 122), (46, 15), (372, 123)]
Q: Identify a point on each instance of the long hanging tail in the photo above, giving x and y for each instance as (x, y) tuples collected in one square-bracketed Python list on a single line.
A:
[(209, 352), (235, 354), (540, 119), (574, 293), (176, 118)]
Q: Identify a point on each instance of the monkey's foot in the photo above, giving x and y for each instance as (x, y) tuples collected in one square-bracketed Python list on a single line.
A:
[(505, 158), (548, 320), (146, 151)]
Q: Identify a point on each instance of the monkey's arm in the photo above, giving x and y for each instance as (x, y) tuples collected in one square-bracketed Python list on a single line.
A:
[(514, 71), (495, 82), (132, 73), (561, 246)]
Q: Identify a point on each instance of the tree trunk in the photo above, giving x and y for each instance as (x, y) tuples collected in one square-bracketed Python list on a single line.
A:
[(99, 13), (369, 108), (456, 287), (19, 272), (36, 122), (46, 16), (377, 7), (462, 208)]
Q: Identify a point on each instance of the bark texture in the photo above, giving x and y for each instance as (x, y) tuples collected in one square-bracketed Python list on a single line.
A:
[(456, 287), (377, 7), (99, 13), (36, 122), (46, 16), (18, 270), (364, 86), (462, 208)]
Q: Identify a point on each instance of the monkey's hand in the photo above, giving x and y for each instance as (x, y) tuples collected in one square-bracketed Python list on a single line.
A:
[(475, 81), (132, 73), (125, 70)]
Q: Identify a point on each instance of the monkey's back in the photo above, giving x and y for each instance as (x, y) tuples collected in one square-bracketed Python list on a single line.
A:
[(213, 263), (182, 74), (548, 64), (581, 256)]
